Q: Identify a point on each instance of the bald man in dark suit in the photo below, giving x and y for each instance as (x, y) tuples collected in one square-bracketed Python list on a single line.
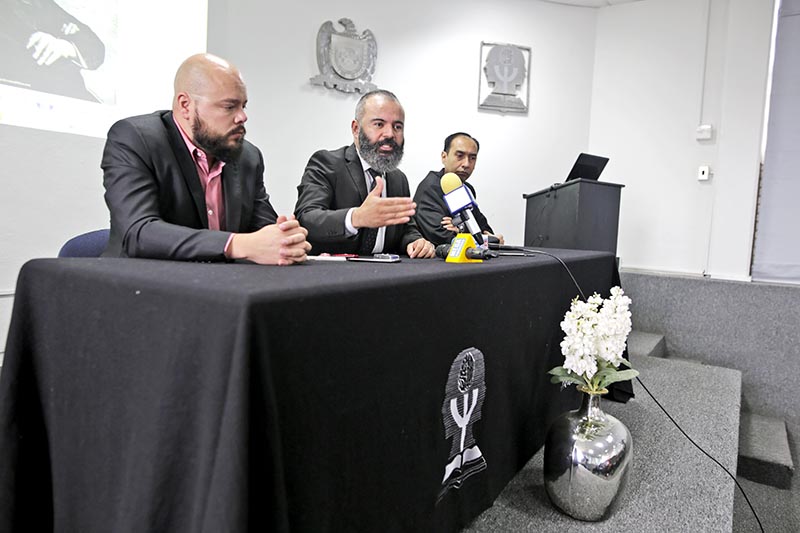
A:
[(186, 185)]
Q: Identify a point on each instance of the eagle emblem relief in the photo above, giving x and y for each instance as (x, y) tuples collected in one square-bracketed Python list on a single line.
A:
[(346, 60)]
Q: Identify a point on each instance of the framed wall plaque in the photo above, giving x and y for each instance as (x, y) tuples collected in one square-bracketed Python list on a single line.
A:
[(504, 78)]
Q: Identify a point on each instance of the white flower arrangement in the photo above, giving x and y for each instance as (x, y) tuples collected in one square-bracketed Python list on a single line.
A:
[(596, 333)]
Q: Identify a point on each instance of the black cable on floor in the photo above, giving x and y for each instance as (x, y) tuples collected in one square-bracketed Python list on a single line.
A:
[(705, 452)]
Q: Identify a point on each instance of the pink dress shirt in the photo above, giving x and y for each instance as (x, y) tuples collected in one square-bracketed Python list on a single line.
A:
[(211, 180)]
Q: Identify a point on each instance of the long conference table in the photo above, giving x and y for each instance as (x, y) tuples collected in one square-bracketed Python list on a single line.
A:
[(141, 395)]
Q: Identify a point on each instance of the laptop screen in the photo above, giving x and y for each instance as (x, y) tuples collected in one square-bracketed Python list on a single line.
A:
[(588, 167)]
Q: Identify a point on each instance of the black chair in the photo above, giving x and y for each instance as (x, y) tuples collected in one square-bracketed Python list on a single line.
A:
[(90, 244)]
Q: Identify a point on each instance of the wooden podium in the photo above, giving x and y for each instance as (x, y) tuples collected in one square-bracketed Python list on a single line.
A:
[(578, 214)]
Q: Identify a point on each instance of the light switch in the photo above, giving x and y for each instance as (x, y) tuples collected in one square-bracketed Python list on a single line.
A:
[(704, 132)]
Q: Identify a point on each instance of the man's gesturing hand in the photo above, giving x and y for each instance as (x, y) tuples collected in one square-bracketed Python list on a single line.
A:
[(377, 212)]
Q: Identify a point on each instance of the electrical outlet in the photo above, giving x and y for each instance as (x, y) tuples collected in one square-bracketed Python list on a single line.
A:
[(703, 172)]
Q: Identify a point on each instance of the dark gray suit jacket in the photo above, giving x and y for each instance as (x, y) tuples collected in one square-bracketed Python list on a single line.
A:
[(431, 207), (156, 201), (332, 183)]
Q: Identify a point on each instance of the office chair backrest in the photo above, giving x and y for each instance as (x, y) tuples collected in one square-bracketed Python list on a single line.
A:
[(90, 244)]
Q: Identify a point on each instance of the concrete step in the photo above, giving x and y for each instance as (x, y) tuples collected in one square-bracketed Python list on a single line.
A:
[(647, 344), (764, 455)]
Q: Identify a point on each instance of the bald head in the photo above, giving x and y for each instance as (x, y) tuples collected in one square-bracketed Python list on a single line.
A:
[(200, 73), (209, 103), (380, 95)]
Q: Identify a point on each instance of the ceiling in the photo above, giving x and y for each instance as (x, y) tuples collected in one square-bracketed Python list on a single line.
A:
[(591, 3)]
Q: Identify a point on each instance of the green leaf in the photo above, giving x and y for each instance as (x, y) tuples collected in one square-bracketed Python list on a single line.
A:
[(620, 375), (567, 379), (559, 371), (605, 372), (562, 375)]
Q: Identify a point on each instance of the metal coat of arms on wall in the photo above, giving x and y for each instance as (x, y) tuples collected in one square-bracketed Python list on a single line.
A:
[(346, 59)]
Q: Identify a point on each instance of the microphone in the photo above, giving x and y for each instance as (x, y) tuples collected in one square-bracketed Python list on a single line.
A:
[(460, 203), (443, 251)]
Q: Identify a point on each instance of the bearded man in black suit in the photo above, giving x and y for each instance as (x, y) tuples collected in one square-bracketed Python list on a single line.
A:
[(354, 200)]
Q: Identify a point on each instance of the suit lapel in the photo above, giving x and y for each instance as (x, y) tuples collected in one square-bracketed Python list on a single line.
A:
[(356, 171), (186, 164)]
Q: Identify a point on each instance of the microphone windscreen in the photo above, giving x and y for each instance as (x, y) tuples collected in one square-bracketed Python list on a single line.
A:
[(450, 182), (442, 250)]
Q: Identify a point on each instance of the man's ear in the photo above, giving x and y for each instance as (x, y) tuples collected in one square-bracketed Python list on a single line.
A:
[(184, 103), (354, 128)]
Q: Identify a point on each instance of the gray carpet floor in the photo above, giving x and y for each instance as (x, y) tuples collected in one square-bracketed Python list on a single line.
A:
[(672, 487)]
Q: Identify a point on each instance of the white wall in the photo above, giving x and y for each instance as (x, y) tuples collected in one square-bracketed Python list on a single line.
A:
[(625, 81), (662, 68), (52, 189), (428, 54), (741, 115), (51, 183)]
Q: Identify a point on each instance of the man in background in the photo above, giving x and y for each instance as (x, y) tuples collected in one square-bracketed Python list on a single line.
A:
[(186, 185), (433, 217), (354, 200)]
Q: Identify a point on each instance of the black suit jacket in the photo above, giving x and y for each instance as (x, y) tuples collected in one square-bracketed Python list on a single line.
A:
[(332, 183), (431, 207), (156, 201)]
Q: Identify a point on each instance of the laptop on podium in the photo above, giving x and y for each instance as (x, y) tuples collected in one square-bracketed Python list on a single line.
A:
[(588, 167)]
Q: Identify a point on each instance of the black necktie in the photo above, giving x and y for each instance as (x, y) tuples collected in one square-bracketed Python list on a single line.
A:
[(372, 174), (369, 235)]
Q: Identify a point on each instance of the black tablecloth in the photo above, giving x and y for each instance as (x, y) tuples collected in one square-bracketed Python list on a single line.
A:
[(145, 395)]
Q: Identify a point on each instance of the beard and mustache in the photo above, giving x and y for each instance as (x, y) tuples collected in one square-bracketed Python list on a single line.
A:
[(226, 149), (219, 146), (382, 162)]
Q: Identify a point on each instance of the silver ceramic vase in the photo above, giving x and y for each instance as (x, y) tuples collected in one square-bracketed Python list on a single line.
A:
[(587, 455)]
